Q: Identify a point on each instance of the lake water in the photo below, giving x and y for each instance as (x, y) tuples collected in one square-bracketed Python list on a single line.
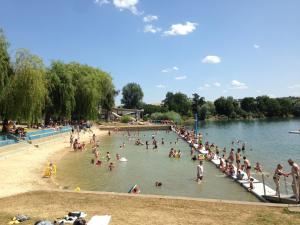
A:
[(266, 141)]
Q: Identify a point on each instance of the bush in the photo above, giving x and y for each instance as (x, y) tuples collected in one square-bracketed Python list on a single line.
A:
[(126, 119), (171, 115)]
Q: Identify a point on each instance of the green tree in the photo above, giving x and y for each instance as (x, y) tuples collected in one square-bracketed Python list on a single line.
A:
[(178, 102), (262, 102), (207, 110), (149, 109), (5, 67), (61, 102), (108, 94), (272, 108), (296, 108), (197, 102), (249, 104), (132, 95), (224, 106), (286, 106), (24, 97)]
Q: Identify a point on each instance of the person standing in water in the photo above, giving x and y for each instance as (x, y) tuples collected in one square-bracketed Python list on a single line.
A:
[(295, 172), (247, 167), (200, 172), (238, 158), (276, 178), (231, 156)]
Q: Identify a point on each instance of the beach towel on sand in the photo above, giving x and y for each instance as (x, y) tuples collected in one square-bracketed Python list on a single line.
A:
[(99, 220), (43, 222)]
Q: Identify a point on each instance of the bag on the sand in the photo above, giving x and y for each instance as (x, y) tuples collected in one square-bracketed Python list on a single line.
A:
[(22, 218), (79, 221), (43, 222)]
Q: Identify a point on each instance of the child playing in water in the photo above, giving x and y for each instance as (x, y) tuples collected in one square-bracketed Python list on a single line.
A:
[(98, 163), (96, 154), (158, 184), (251, 187), (111, 166), (108, 156), (258, 167)]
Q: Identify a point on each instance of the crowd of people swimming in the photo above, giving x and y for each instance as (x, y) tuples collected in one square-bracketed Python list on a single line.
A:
[(233, 163)]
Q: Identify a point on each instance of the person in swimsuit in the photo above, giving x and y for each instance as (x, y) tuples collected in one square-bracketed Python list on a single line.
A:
[(111, 166), (276, 178), (258, 168), (200, 172), (295, 172), (108, 156), (251, 186), (238, 158), (231, 156), (247, 167)]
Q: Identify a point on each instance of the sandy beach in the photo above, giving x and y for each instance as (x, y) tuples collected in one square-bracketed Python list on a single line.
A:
[(22, 165)]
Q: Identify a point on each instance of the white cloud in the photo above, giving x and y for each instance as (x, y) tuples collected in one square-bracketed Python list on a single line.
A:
[(130, 5), (160, 86), (256, 46), (150, 18), (217, 84), (294, 86), (181, 29), (169, 70), (235, 84), (211, 59), (101, 2), (151, 29), (181, 78), (258, 91), (204, 87)]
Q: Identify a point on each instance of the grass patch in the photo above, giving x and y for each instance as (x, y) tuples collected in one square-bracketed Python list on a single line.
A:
[(138, 210)]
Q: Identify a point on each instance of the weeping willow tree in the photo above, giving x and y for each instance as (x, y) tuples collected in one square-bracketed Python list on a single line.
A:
[(108, 94), (61, 98), (24, 95), (78, 91), (5, 67)]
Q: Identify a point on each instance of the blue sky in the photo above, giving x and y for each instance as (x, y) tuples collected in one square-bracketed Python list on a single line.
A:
[(212, 47)]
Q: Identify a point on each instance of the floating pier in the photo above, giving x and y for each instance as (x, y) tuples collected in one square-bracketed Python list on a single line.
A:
[(260, 189)]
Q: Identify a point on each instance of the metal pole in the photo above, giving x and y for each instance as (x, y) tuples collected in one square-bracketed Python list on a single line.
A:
[(196, 126), (285, 184), (264, 185)]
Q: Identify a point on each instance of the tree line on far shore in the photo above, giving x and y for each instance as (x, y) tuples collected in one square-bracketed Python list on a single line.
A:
[(176, 106), (31, 92)]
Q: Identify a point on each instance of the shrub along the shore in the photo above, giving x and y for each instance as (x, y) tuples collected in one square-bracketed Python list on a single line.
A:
[(226, 108), (171, 115)]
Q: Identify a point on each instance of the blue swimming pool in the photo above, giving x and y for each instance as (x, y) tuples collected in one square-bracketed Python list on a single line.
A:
[(6, 140), (47, 132)]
